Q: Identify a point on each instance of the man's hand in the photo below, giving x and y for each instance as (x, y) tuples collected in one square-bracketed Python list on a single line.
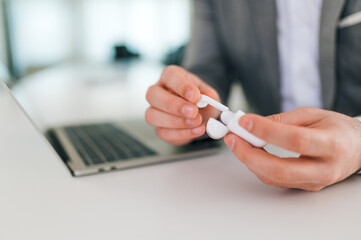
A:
[(329, 144), (173, 111)]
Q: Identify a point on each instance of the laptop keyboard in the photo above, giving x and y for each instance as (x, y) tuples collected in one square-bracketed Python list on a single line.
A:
[(103, 143)]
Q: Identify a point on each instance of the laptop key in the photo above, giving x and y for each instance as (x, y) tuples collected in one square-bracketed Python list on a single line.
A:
[(100, 143)]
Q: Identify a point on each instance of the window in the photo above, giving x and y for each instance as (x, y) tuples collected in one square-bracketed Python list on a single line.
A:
[(46, 32)]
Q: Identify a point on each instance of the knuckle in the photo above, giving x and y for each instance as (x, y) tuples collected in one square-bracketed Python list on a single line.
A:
[(168, 106), (266, 181), (187, 85), (148, 115), (161, 133), (276, 118), (213, 92), (340, 148), (278, 176), (299, 141), (197, 121), (331, 177), (173, 68), (150, 93), (169, 70)]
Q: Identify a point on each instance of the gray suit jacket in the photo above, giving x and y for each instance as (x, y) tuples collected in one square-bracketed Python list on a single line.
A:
[(236, 40)]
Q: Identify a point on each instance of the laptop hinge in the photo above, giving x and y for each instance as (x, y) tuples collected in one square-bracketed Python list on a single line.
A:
[(54, 141)]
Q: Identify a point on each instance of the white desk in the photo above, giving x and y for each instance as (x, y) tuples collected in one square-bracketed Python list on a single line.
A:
[(207, 198)]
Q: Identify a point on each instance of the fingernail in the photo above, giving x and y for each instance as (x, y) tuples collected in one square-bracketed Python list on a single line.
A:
[(230, 140), (192, 122), (190, 95), (197, 130), (188, 110), (246, 123)]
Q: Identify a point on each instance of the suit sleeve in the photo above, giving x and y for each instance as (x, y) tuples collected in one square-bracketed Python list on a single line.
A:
[(203, 55)]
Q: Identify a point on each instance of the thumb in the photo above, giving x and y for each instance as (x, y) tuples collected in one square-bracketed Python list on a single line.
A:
[(302, 116)]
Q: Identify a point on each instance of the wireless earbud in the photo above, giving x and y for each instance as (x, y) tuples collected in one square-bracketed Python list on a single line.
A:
[(233, 126), (217, 129), (227, 116), (205, 100)]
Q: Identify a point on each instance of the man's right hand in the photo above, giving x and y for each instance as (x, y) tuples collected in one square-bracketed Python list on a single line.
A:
[(173, 111)]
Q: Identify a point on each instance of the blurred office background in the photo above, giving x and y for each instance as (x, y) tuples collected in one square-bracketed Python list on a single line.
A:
[(37, 34), (91, 60), (73, 61)]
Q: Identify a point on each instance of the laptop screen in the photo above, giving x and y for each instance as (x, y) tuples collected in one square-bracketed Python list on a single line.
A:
[(11, 108)]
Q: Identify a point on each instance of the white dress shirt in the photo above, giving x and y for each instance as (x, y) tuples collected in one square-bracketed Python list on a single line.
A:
[(298, 24), (298, 35)]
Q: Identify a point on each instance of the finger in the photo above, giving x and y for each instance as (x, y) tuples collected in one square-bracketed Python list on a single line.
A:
[(162, 119), (172, 135), (210, 92), (167, 102), (177, 80), (304, 186), (305, 141), (282, 172), (210, 111), (186, 84), (302, 116), (203, 86)]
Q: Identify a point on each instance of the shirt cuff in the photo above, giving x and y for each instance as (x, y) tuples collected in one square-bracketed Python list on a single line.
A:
[(358, 118)]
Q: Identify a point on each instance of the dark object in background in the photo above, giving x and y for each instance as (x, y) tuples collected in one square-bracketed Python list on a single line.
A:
[(122, 52), (175, 57)]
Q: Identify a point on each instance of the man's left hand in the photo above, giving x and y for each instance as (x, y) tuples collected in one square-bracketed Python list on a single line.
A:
[(329, 144)]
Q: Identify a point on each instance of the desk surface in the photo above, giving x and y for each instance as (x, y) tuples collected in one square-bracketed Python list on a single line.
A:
[(213, 197)]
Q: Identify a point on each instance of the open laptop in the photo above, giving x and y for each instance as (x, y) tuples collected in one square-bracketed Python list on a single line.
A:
[(102, 147)]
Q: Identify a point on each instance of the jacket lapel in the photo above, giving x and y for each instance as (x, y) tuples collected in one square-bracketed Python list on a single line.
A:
[(331, 11)]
